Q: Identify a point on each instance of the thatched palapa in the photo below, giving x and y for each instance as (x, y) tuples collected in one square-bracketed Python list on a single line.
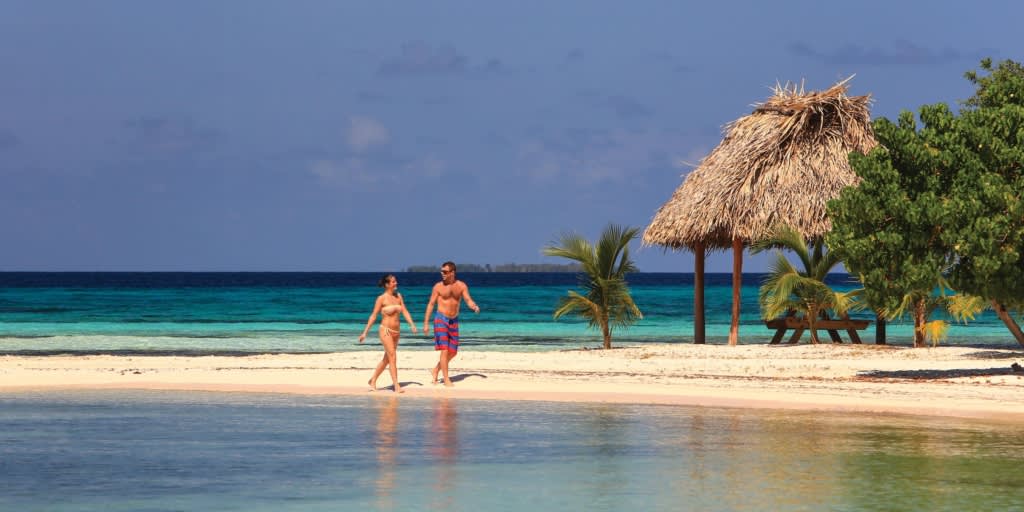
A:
[(779, 165)]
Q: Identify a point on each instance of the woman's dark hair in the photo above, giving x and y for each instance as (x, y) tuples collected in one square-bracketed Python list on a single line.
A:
[(384, 280)]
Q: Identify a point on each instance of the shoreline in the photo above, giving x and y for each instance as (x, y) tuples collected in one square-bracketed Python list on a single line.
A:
[(945, 381)]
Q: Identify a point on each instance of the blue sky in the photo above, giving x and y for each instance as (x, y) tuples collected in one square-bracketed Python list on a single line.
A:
[(366, 136)]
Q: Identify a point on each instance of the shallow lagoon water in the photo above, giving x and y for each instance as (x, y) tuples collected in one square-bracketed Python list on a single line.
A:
[(134, 450)]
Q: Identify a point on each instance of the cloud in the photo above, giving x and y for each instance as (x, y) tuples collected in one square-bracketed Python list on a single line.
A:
[(372, 97), (418, 58), (365, 133), (623, 107), (627, 108), (593, 157), (899, 53), (8, 140), (343, 171), (170, 134), (574, 56)]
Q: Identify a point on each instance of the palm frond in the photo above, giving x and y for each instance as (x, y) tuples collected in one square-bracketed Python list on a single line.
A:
[(963, 308)]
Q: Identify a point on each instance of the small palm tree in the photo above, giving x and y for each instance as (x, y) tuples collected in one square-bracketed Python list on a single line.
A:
[(789, 290), (922, 304), (606, 302)]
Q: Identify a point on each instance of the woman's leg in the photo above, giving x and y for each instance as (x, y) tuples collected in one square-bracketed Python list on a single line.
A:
[(391, 354), (381, 365)]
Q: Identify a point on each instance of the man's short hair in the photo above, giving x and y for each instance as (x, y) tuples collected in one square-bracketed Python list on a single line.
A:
[(449, 264)]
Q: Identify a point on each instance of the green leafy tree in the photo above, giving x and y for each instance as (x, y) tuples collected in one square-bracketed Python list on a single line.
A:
[(605, 302), (889, 226), (787, 289), (986, 201), (943, 201)]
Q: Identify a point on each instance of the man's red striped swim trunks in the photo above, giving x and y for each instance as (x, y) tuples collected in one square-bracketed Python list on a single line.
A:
[(446, 333)]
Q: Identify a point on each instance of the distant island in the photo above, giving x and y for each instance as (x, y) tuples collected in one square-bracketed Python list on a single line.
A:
[(505, 267)]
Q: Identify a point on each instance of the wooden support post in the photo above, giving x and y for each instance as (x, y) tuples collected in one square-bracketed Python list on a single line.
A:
[(698, 293), (737, 283)]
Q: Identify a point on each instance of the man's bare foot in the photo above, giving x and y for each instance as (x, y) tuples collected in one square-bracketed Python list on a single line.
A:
[(372, 384), (433, 376)]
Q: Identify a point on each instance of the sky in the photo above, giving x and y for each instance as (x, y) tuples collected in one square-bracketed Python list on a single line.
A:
[(247, 135)]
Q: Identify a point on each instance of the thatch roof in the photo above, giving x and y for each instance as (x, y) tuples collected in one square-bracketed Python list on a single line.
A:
[(779, 165)]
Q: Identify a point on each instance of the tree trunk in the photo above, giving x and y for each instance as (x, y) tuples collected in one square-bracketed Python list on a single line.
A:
[(737, 283), (879, 329), (698, 294), (919, 320), (607, 334), (1011, 324), (812, 321)]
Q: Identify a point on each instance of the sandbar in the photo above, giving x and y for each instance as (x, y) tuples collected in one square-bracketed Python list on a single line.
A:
[(950, 381)]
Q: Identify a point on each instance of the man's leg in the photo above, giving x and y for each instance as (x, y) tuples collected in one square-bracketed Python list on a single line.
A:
[(446, 356)]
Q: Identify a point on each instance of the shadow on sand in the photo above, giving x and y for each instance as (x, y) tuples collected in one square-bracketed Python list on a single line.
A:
[(1014, 369)]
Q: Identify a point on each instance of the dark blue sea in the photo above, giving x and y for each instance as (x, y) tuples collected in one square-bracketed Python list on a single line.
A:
[(226, 313)]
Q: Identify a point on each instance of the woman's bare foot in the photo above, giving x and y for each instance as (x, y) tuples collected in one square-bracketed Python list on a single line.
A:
[(399, 389), (448, 384), (372, 384)]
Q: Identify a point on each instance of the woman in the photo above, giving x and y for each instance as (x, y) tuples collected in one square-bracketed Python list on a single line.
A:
[(389, 304)]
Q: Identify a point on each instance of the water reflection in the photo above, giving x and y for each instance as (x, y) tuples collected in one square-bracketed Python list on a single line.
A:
[(443, 446), (387, 452)]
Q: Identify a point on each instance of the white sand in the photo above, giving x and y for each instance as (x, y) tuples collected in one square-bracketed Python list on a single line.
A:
[(942, 381)]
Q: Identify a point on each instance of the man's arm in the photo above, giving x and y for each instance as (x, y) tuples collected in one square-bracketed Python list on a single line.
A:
[(469, 300), (430, 307)]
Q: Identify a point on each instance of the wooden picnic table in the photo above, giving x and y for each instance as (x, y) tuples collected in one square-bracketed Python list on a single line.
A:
[(800, 324)]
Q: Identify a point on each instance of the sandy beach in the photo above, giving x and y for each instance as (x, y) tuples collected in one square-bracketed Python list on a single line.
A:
[(968, 382)]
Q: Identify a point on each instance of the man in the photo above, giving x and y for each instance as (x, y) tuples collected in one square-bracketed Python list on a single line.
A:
[(448, 295)]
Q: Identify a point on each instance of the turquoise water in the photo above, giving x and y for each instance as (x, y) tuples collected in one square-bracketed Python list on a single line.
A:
[(324, 312), (122, 450)]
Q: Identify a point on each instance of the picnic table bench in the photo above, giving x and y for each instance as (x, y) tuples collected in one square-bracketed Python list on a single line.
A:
[(799, 325)]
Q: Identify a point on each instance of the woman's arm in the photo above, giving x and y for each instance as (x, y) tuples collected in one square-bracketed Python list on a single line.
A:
[(405, 311), (372, 319)]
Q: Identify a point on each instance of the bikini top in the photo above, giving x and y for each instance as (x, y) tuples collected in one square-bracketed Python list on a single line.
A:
[(390, 310)]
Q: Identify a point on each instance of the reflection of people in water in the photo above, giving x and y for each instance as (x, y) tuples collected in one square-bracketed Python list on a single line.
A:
[(444, 448), (387, 451)]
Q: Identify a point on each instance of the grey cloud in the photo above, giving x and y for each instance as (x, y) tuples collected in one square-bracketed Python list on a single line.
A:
[(627, 108), (899, 53), (372, 97), (624, 107), (420, 58), (574, 56), (171, 134), (8, 140)]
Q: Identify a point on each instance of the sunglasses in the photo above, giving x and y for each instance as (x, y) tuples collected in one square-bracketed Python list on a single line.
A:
[(443, 271)]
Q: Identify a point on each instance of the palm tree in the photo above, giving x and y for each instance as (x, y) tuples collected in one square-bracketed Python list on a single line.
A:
[(788, 290), (606, 302), (922, 304)]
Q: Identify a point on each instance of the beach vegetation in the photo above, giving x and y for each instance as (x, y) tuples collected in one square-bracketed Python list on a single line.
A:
[(962, 308), (605, 301), (941, 204), (986, 201), (789, 290)]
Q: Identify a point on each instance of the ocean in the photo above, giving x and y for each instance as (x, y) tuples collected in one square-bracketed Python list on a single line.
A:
[(131, 450), (162, 451), (257, 312)]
